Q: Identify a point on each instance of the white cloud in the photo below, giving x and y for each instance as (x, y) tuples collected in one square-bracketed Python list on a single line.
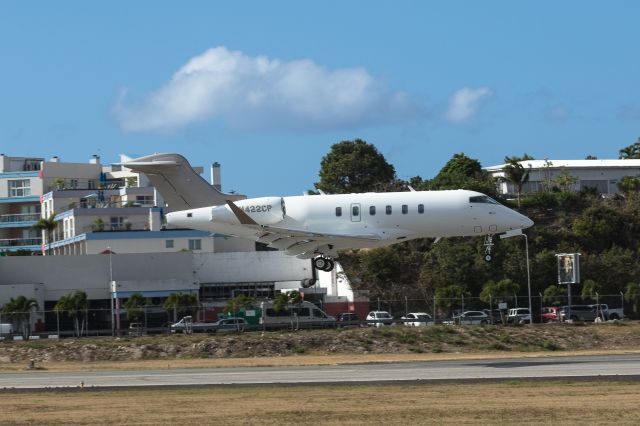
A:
[(258, 92), (464, 104)]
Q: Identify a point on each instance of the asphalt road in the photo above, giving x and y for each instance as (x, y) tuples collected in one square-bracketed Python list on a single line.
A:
[(551, 367)]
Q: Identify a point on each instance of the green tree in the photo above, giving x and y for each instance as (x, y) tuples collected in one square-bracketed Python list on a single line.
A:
[(630, 152), (75, 304), (632, 295), (555, 295), (516, 174), (133, 307), (629, 184), (282, 301), (240, 301), (564, 180), (181, 304), (354, 166), (460, 172), (499, 291), (450, 295), (47, 225), (589, 290), (18, 310)]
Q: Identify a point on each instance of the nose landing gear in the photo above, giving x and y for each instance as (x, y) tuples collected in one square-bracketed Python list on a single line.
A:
[(488, 243), (323, 263)]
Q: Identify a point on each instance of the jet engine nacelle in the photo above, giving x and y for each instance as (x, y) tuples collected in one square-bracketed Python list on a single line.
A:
[(264, 210)]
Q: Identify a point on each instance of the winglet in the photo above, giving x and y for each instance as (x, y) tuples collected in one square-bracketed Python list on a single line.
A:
[(240, 214)]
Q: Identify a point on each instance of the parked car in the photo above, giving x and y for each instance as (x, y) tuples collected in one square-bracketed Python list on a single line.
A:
[(137, 329), (550, 314), (519, 316), (230, 325), (470, 318), (379, 318), (348, 319), (606, 313), (417, 319), (578, 313), (495, 315)]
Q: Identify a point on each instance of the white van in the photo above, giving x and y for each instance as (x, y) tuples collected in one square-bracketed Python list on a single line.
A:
[(302, 315)]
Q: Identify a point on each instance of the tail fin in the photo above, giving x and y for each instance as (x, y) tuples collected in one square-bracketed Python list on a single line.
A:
[(180, 186)]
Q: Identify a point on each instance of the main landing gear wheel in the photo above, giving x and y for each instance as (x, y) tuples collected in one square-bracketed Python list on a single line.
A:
[(323, 264)]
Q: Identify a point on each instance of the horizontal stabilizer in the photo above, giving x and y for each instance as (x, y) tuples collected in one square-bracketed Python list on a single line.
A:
[(180, 186)]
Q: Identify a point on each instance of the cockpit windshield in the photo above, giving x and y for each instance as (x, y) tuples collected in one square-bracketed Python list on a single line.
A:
[(482, 199)]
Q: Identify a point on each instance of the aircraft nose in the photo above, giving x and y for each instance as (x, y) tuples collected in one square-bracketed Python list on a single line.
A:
[(523, 221)]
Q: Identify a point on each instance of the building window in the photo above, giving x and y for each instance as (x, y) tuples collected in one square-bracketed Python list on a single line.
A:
[(91, 184), (338, 211), (420, 208), (195, 244), (405, 209), (372, 210), (19, 188), (388, 209), (168, 243), (73, 183), (116, 222)]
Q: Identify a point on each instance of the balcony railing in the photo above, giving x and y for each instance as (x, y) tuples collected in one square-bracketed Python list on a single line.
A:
[(20, 242), (20, 217)]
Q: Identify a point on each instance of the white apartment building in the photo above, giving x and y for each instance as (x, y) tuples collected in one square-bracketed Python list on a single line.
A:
[(603, 175)]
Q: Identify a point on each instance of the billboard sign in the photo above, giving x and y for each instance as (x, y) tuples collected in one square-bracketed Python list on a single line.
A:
[(568, 268)]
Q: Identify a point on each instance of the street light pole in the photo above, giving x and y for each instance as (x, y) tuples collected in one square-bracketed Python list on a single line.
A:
[(113, 333), (515, 233), (526, 245)]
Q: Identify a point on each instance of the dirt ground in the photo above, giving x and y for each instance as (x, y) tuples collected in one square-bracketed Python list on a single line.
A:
[(515, 402), (358, 345)]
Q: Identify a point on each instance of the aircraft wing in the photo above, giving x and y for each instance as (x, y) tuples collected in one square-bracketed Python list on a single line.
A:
[(302, 243)]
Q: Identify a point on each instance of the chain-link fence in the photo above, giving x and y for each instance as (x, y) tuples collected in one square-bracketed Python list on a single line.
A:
[(156, 319)]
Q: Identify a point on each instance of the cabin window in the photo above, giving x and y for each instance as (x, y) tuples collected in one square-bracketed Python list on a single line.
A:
[(338, 211), (420, 208), (189, 214), (405, 209), (388, 209), (372, 210)]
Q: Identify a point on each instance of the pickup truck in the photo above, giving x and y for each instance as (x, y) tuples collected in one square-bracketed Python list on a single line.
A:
[(187, 325), (609, 313)]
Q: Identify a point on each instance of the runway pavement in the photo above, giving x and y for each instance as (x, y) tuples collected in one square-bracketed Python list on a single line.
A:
[(551, 367)]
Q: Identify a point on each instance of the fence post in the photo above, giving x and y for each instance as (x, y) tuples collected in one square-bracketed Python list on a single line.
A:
[(598, 307), (541, 304), (378, 303), (622, 304), (406, 306), (490, 308), (434, 309)]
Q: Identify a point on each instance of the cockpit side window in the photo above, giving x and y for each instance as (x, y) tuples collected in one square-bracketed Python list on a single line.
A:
[(482, 199)]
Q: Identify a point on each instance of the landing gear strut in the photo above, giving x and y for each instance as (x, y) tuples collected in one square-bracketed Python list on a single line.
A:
[(322, 263), (488, 243)]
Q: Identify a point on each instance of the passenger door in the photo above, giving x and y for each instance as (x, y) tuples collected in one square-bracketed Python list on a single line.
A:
[(355, 212)]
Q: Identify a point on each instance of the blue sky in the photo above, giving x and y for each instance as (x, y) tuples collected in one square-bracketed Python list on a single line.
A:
[(265, 88)]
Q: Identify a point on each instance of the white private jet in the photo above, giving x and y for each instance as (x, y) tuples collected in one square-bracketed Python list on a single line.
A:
[(318, 226)]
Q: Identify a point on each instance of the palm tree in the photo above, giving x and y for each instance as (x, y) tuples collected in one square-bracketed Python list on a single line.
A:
[(133, 305), (19, 311), (47, 226), (515, 172), (180, 303), (630, 152), (75, 305)]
